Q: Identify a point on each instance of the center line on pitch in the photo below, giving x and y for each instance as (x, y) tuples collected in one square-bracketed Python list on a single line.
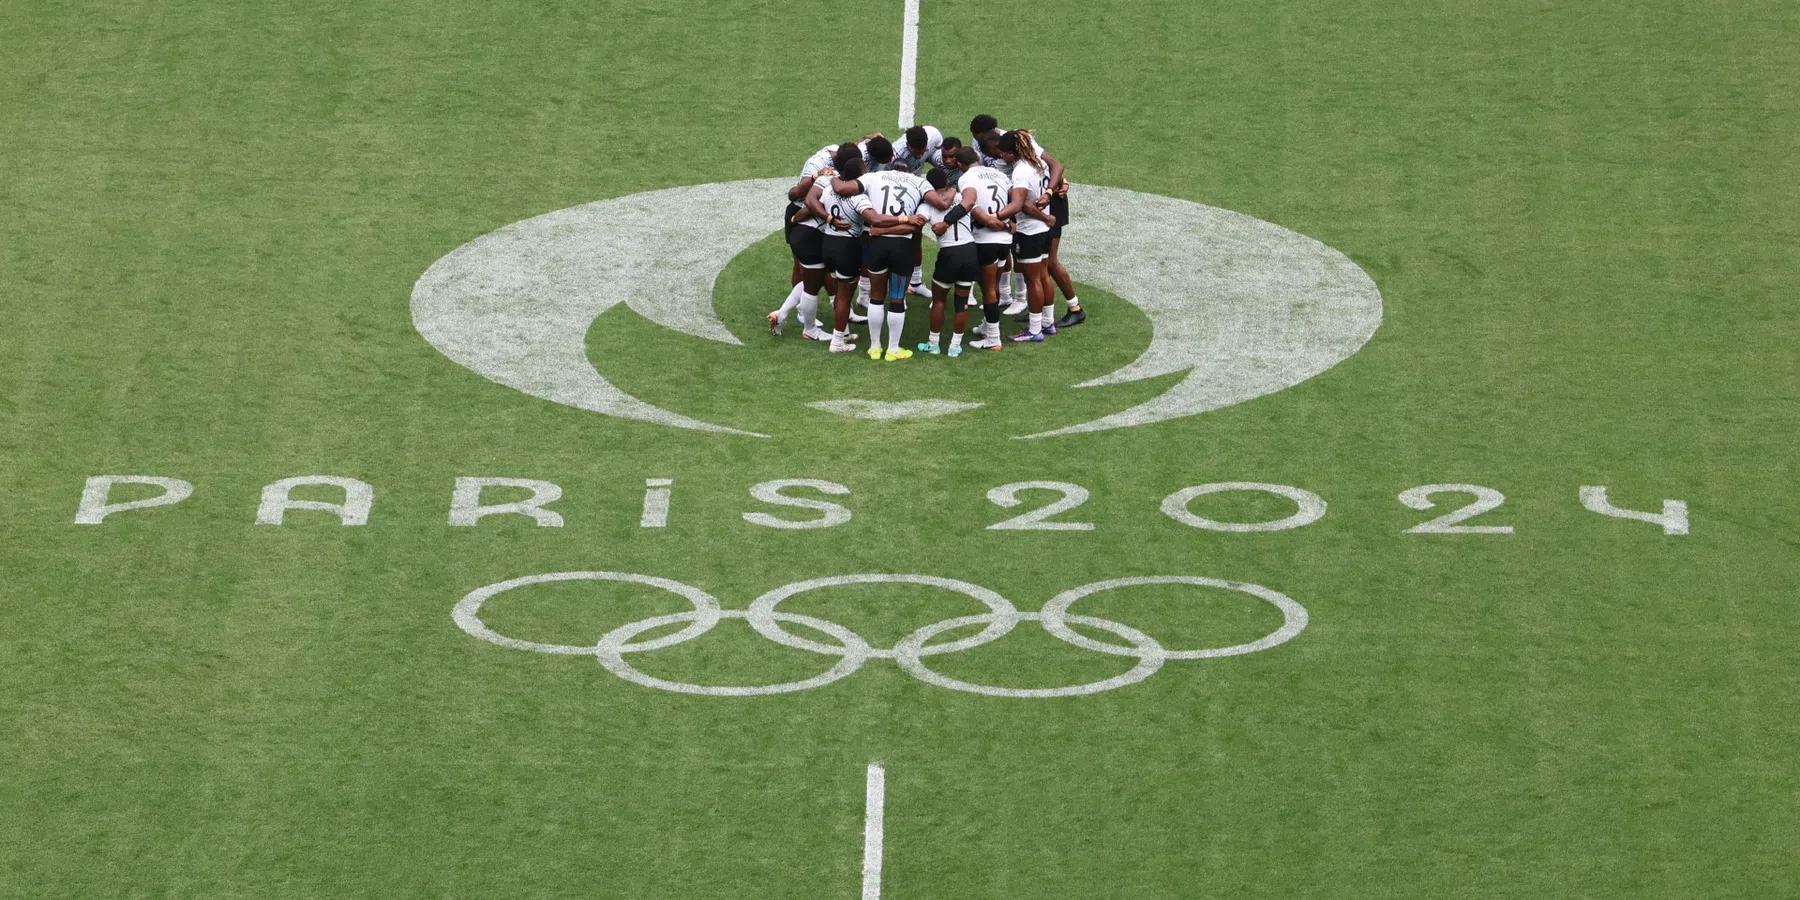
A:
[(909, 61), (874, 804)]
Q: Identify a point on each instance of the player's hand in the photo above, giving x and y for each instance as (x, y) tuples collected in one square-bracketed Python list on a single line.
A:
[(800, 217), (872, 136), (828, 172), (938, 228), (920, 219), (1062, 190), (1011, 227), (1042, 201), (840, 224)]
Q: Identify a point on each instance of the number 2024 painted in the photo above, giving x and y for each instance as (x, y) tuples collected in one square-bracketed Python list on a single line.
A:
[(476, 498)]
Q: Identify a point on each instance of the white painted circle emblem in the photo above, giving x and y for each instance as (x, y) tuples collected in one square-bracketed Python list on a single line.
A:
[(1243, 306)]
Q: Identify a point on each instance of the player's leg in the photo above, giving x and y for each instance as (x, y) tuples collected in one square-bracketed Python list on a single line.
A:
[(843, 292), (939, 296), (842, 260), (1034, 301), (1012, 302), (1059, 274), (804, 243), (990, 305), (917, 284), (813, 282), (896, 312), (1033, 255), (876, 317), (959, 321), (1046, 287)]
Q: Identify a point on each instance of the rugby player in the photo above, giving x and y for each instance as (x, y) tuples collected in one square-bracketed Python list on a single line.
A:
[(803, 239), (993, 237), (847, 218), (1030, 196), (889, 254), (923, 142), (958, 266), (984, 126)]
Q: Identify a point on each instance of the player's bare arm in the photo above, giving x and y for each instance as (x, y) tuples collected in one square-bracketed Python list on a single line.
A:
[(814, 206), (877, 219), (1057, 183)]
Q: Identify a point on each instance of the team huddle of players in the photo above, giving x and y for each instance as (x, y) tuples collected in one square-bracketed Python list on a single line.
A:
[(856, 222)]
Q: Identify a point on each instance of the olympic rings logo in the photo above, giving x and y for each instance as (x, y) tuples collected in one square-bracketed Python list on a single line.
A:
[(852, 651)]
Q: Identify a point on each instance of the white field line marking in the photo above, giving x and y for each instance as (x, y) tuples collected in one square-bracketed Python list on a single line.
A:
[(874, 807), (909, 62), (887, 411)]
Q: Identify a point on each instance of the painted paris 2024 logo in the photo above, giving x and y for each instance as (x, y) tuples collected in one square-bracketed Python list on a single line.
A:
[(1242, 306)]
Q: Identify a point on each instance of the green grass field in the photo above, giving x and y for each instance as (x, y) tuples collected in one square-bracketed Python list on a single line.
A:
[(1582, 220)]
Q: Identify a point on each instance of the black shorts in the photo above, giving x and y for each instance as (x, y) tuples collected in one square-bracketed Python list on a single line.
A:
[(807, 243), (890, 254), (959, 265), (787, 219), (992, 254), (842, 256), (1031, 248), (1059, 207)]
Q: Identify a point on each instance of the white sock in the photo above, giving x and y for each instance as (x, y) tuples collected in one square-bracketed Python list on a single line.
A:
[(875, 320), (896, 323), (1074, 303), (1005, 289), (808, 315), (862, 291), (837, 339), (955, 339), (1036, 323), (932, 339), (787, 306)]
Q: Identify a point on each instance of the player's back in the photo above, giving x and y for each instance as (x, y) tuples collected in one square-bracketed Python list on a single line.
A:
[(992, 191), (894, 192)]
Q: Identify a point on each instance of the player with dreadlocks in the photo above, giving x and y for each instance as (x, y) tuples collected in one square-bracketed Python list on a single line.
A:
[(1031, 229), (985, 131)]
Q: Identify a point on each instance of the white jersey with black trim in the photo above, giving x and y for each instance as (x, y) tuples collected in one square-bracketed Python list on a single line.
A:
[(992, 190), (818, 162), (848, 209), (1036, 183), (823, 183), (905, 161), (894, 192), (963, 232)]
